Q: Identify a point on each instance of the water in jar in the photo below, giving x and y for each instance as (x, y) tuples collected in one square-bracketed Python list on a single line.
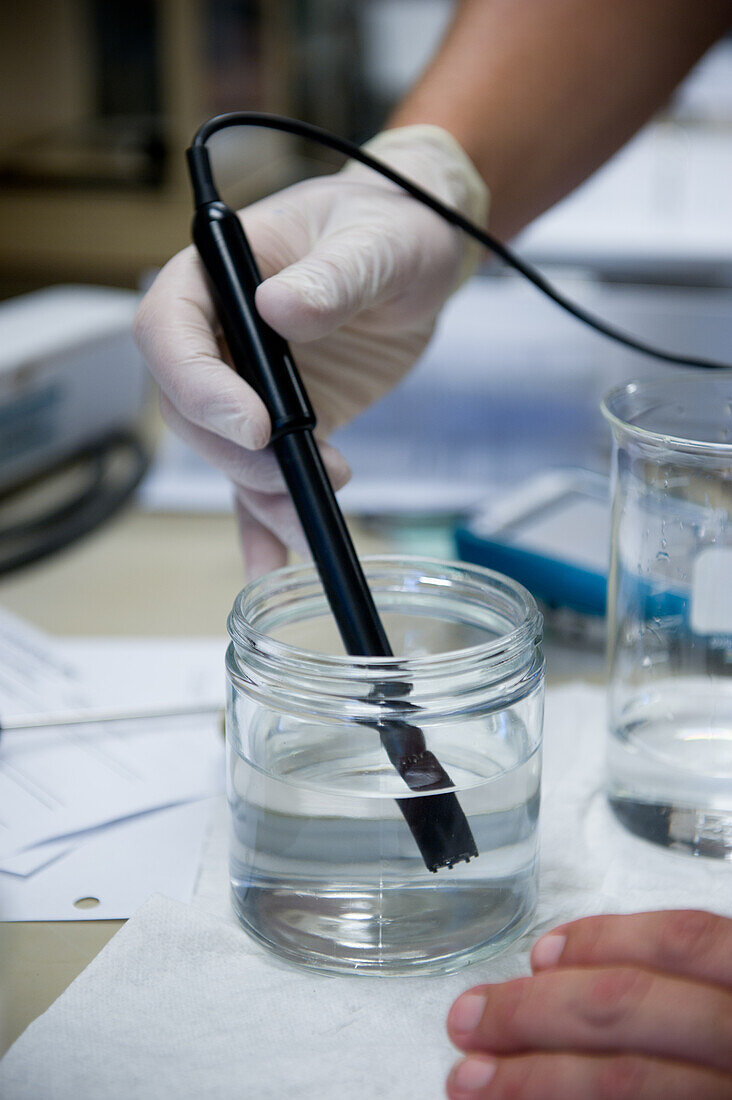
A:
[(324, 869)]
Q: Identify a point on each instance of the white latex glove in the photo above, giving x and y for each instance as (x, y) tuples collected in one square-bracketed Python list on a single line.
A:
[(356, 272)]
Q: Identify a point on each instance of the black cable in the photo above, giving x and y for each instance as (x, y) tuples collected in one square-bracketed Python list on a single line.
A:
[(203, 186), (104, 490)]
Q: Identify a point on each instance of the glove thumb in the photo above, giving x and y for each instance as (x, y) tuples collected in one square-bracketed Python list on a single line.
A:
[(346, 272)]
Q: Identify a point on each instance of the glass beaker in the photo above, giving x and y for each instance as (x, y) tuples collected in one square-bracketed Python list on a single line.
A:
[(324, 870), (670, 611)]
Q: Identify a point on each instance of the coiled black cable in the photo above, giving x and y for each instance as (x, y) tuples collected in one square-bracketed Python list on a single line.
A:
[(104, 476)]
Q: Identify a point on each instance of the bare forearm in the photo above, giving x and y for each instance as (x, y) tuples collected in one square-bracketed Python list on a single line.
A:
[(540, 92)]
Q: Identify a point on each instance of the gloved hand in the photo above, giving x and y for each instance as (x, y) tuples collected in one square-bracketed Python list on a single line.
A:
[(356, 272)]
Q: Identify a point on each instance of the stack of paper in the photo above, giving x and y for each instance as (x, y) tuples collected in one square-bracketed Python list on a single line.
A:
[(104, 814)]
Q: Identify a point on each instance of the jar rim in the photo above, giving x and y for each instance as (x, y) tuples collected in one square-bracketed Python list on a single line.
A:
[(656, 389), (504, 647)]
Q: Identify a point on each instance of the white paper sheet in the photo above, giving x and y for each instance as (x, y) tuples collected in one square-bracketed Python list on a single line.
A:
[(119, 867), (59, 783), (35, 673), (33, 859), (106, 810)]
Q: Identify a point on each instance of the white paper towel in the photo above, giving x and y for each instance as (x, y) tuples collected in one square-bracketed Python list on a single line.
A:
[(182, 1003)]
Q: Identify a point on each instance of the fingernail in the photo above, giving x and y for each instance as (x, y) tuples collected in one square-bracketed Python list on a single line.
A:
[(473, 1074), (342, 476), (467, 1012), (547, 951), (255, 435), (251, 432)]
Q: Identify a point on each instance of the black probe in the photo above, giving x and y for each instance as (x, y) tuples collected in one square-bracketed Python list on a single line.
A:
[(265, 361)]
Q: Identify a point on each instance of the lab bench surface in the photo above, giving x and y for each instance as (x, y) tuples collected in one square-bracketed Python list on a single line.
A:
[(143, 575)]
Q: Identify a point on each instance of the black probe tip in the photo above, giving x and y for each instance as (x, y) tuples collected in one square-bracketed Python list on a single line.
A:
[(442, 832)]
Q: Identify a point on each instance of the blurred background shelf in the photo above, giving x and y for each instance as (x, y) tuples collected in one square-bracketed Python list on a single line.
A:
[(102, 98)]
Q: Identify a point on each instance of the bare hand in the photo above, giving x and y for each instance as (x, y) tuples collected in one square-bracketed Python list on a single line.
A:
[(636, 1007)]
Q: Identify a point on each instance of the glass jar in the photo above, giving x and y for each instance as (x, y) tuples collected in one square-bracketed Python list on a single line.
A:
[(324, 870), (670, 611)]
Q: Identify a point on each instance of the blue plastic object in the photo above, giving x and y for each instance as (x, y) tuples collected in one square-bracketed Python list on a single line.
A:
[(556, 583)]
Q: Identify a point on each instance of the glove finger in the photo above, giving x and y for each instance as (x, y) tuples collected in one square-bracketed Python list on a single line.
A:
[(316, 278), (373, 250), (275, 511), (345, 374), (262, 550), (250, 469), (346, 272), (175, 329), (283, 227)]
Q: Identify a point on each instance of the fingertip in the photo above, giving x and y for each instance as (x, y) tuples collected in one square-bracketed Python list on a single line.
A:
[(256, 432), (548, 951), (341, 477), (469, 1077), (256, 566), (261, 549), (273, 517), (297, 307), (248, 427), (339, 471), (465, 1015)]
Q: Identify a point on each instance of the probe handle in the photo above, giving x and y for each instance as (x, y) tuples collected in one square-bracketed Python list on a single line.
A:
[(331, 545), (264, 359), (259, 354)]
